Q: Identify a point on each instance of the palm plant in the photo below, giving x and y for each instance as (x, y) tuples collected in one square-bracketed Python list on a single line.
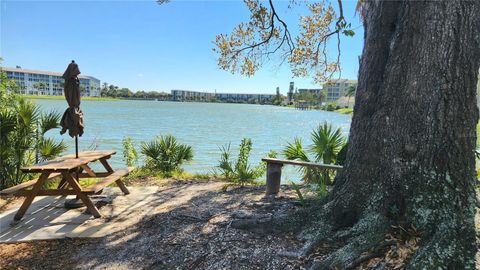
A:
[(47, 148), (326, 144), (350, 92), (166, 154), (22, 137)]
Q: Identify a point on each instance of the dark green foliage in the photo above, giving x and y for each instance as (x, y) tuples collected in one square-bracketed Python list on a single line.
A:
[(22, 134), (342, 155), (166, 154), (49, 149), (329, 107), (326, 144), (241, 171)]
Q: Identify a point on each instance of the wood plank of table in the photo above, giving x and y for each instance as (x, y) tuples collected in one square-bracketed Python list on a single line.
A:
[(27, 184), (69, 162)]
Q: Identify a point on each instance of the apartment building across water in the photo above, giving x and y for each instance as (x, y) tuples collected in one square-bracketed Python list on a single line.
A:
[(37, 82), (186, 95), (334, 89)]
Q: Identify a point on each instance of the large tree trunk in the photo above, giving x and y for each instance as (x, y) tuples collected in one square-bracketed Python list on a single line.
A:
[(413, 134)]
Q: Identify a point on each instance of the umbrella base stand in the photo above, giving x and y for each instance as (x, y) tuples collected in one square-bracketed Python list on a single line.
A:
[(73, 203)]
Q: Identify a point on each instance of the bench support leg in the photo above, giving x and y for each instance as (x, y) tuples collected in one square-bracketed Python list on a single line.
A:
[(29, 199), (274, 174), (76, 187), (122, 186)]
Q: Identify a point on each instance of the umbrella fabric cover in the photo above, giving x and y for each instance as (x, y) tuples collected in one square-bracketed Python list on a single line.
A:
[(72, 119)]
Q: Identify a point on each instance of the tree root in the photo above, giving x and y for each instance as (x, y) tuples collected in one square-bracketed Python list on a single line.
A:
[(362, 243), (293, 222)]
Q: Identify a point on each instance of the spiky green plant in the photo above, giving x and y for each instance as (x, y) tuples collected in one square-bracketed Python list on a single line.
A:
[(240, 172), (22, 133), (22, 139), (225, 165), (166, 154), (47, 148), (130, 155), (326, 144)]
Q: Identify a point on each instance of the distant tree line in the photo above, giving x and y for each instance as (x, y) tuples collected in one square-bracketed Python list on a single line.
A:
[(117, 92)]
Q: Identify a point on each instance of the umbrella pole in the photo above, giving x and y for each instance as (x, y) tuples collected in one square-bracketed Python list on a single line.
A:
[(76, 156), (75, 203), (76, 146)]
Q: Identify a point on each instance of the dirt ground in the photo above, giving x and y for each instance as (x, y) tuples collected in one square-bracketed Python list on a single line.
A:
[(189, 230)]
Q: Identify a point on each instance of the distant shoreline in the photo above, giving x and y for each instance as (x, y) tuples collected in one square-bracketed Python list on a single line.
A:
[(341, 111), (62, 97)]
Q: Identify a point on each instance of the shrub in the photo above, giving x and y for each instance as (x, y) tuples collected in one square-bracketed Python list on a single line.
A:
[(130, 155), (329, 107), (241, 171), (166, 154), (22, 136), (326, 144)]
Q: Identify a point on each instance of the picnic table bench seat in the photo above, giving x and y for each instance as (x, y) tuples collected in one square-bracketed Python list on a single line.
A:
[(114, 177), (274, 171), (20, 187), (71, 169)]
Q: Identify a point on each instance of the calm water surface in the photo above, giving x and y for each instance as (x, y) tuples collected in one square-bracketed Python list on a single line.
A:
[(204, 126)]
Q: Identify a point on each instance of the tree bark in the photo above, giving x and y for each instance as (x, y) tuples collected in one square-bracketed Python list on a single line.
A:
[(411, 146)]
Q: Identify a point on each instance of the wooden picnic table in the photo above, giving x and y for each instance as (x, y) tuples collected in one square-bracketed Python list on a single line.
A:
[(71, 170)]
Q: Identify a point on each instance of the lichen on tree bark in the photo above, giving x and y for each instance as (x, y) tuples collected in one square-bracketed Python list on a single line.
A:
[(410, 160), (413, 134)]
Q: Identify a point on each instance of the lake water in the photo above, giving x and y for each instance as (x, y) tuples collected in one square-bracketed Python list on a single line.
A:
[(204, 126)]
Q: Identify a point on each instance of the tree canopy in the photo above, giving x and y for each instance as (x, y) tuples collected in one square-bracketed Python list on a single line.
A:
[(265, 34)]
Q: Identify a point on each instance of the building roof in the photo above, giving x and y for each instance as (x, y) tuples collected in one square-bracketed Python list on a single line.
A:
[(217, 93), (42, 72), (340, 81)]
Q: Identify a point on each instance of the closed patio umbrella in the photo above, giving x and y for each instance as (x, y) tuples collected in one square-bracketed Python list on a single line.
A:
[(72, 119)]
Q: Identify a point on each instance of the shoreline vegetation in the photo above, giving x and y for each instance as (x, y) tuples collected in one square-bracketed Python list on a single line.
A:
[(48, 97), (62, 98)]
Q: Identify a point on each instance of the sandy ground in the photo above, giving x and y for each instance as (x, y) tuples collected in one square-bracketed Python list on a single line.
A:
[(188, 229)]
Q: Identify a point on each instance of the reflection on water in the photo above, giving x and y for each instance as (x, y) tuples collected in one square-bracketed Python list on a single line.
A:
[(204, 126)]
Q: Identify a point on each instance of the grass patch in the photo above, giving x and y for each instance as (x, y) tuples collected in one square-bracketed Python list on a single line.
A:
[(345, 111), (145, 176), (182, 175), (62, 97)]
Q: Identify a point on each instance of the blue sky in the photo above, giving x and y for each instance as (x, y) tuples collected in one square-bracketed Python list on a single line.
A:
[(144, 46)]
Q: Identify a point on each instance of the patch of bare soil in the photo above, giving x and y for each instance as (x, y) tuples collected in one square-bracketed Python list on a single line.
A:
[(190, 229)]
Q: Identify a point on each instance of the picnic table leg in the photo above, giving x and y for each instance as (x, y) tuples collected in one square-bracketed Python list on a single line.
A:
[(29, 199), (122, 186), (76, 187), (106, 165), (274, 174), (119, 182)]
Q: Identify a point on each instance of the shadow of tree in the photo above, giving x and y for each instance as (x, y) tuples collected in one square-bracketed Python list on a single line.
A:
[(188, 228)]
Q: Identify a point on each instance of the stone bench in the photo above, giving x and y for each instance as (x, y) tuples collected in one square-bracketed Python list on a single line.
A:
[(274, 171)]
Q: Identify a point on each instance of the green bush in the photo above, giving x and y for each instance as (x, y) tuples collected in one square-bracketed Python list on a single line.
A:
[(130, 155), (329, 107), (326, 144), (240, 172), (22, 136), (166, 154)]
